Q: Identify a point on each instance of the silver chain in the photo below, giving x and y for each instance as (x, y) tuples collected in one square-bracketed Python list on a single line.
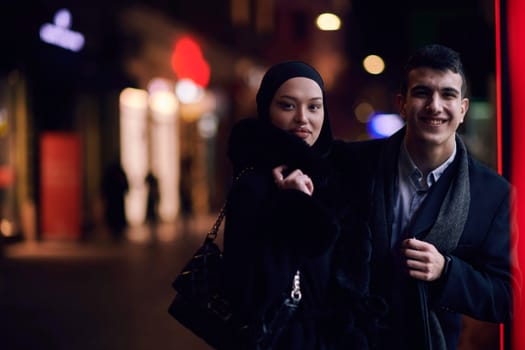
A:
[(296, 287)]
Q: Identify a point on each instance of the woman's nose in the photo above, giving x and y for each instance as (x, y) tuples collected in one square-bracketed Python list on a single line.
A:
[(300, 115)]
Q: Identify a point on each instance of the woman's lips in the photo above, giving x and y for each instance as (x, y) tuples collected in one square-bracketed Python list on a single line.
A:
[(301, 132)]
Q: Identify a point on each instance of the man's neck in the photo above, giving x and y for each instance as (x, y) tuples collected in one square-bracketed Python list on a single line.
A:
[(428, 157)]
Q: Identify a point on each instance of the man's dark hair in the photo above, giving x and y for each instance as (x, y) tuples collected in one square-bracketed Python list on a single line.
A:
[(437, 57)]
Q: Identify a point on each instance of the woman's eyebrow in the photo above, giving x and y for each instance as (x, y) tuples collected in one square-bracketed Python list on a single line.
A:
[(297, 99)]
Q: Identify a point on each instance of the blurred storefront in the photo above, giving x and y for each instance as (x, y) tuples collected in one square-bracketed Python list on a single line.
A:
[(67, 116), (17, 208), (170, 120), (157, 88)]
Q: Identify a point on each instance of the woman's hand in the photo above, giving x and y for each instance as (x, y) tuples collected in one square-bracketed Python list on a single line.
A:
[(295, 180)]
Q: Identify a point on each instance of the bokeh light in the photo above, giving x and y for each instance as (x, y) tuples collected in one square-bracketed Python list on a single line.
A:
[(384, 125), (188, 92), (374, 64), (363, 112), (134, 98), (328, 22)]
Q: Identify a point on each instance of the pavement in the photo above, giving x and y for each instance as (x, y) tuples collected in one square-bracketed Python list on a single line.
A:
[(97, 294), (102, 294)]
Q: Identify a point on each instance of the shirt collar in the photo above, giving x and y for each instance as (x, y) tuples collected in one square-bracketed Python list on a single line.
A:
[(408, 169)]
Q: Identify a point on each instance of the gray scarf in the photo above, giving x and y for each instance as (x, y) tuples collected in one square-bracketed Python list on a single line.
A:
[(452, 216), (446, 232)]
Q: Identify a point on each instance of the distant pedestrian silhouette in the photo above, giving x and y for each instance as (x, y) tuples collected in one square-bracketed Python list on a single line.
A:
[(114, 187), (186, 200), (152, 206), (152, 212)]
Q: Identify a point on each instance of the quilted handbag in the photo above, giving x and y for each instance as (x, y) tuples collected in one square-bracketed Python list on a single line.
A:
[(200, 304)]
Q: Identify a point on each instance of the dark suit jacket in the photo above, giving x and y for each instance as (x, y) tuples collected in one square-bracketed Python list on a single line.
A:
[(478, 280)]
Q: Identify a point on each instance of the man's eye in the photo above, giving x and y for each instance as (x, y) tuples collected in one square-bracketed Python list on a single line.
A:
[(449, 95), (420, 93)]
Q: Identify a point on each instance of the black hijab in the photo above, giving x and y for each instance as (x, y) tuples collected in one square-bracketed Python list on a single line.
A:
[(274, 78), (257, 142)]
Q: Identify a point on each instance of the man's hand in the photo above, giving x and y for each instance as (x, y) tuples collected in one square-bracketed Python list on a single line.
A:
[(424, 261), (295, 180)]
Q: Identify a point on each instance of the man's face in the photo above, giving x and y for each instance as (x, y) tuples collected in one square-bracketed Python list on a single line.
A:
[(433, 108)]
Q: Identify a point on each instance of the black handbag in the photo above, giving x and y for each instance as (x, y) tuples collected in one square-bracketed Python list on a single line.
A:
[(200, 304)]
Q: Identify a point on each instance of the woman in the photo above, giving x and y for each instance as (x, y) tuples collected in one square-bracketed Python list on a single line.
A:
[(285, 215)]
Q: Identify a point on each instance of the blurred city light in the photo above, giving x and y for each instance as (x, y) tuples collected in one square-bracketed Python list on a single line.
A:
[(6, 228), (188, 62), (134, 150), (149, 143), (208, 125), (164, 160), (162, 103), (190, 112), (384, 125), (7, 176), (159, 84), (4, 125), (134, 98), (363, 112), (188, 92), (328, 22), (374, 64), (60, 34), (164, 150)]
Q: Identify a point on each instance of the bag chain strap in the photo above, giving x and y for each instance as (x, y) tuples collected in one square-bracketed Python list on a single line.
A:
[(296, 287), (212, 234)]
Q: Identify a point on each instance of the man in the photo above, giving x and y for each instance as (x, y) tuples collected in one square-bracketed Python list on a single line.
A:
[(440, 221)]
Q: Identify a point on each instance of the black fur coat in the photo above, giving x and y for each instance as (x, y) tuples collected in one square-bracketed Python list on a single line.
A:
[(272, 233)]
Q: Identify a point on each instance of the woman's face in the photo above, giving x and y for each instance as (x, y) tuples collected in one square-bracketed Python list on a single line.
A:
[(297, 107)]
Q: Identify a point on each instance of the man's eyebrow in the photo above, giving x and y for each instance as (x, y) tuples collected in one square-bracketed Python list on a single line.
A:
[(425, 87), (450, 89), (420, 87)]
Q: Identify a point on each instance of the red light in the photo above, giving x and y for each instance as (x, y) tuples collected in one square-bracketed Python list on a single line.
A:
[(515, 11), (7, 176), (499, 136), (188, 62)]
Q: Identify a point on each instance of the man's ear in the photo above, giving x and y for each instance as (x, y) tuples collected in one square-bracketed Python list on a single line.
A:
[(464, 108)]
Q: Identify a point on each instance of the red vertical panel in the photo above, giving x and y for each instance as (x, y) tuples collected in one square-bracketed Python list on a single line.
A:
[(60, 185), (499, 131), (516, 53), (499, 109)]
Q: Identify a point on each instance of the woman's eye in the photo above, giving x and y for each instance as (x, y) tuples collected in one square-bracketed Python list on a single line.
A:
[(315, 107), (286, 106)]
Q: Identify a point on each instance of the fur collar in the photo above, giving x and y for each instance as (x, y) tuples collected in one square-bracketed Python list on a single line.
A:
[(264, 146)]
